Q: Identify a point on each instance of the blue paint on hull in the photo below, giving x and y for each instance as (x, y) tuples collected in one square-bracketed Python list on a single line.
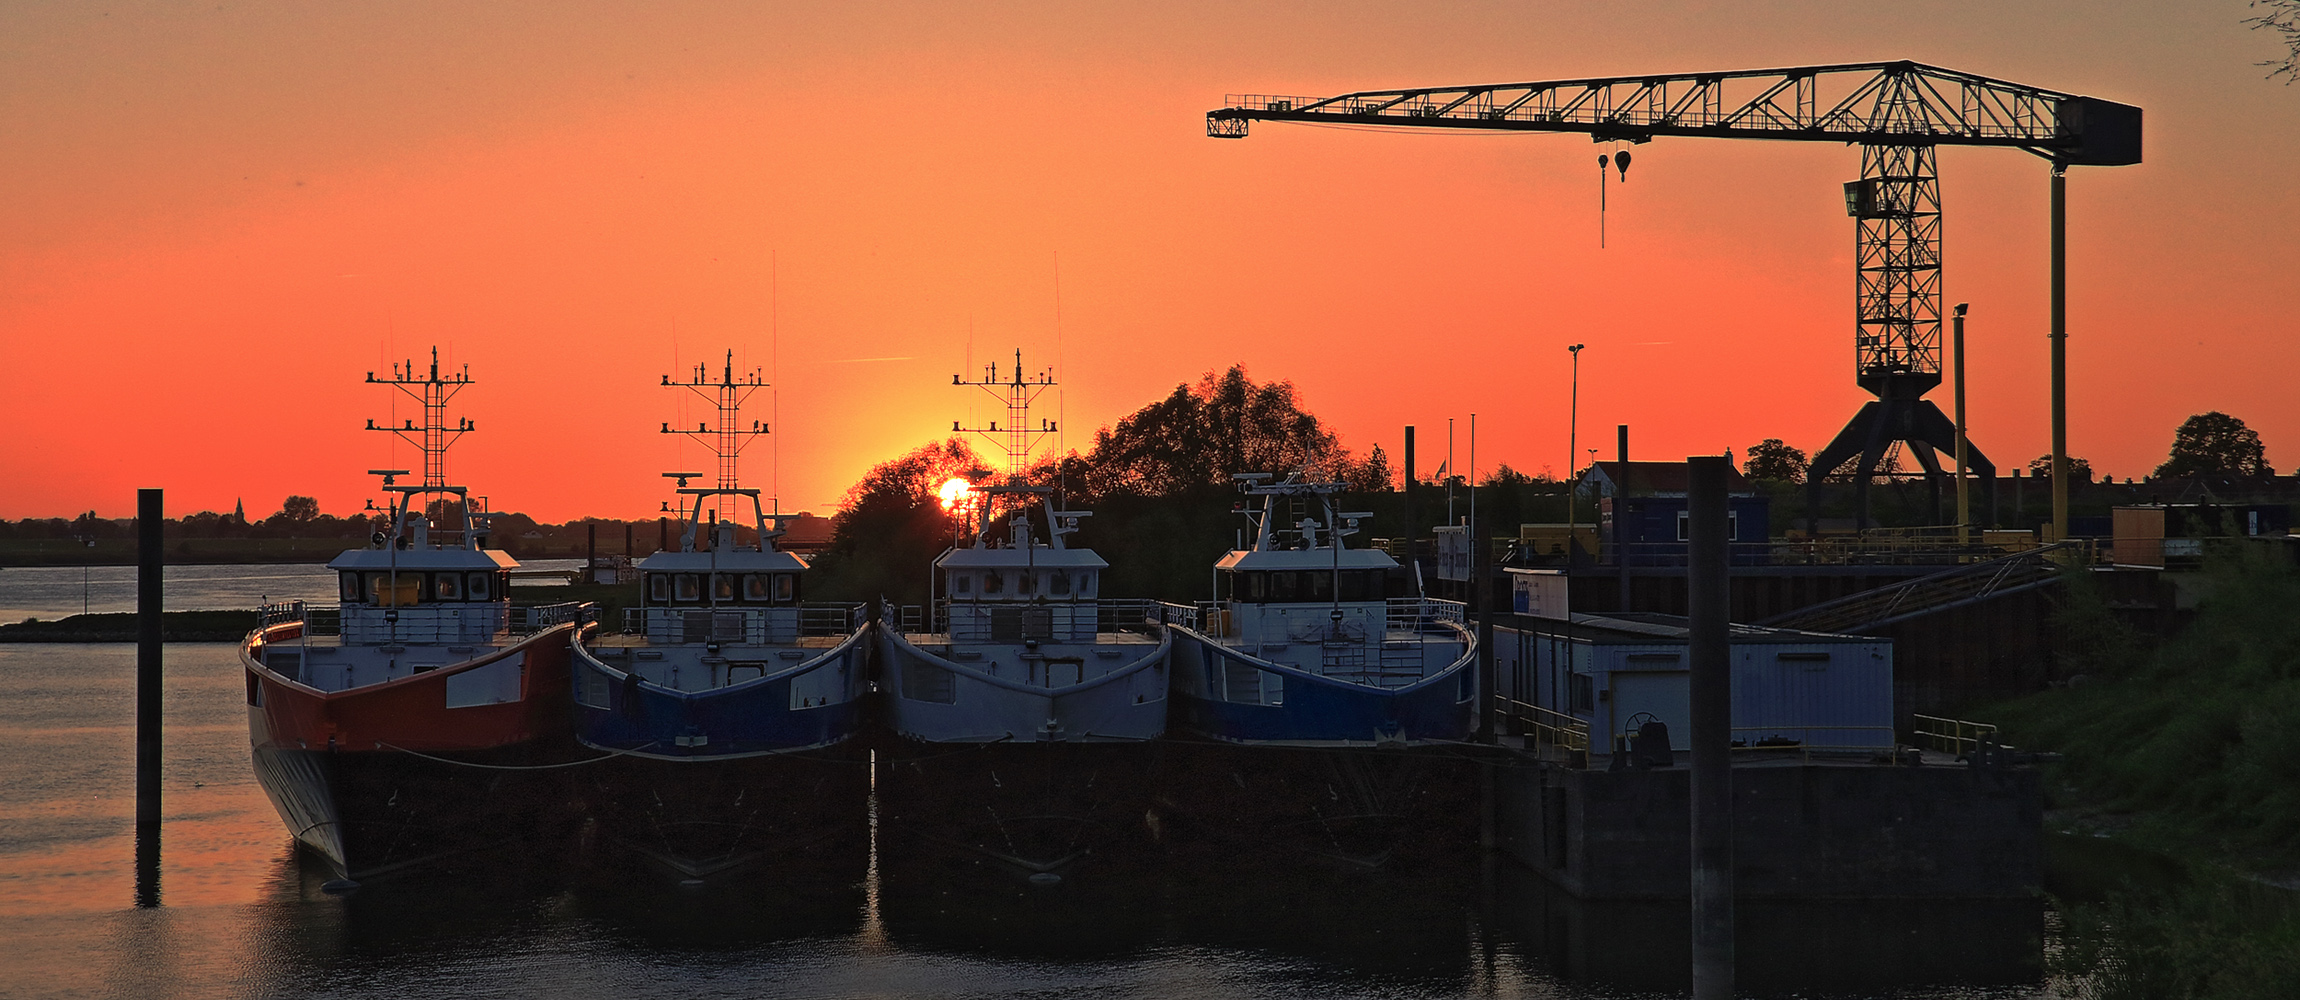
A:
[(1319, 710), (751, 718)]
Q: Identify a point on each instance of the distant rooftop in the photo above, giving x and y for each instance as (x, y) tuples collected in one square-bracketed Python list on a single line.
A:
[(1651, 479)]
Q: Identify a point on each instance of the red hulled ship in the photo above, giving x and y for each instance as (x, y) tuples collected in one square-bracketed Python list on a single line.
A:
[(406, 726)]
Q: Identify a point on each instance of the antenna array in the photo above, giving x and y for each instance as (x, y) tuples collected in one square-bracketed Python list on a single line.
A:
[(727, 439), (433, 391), (1017, 438)]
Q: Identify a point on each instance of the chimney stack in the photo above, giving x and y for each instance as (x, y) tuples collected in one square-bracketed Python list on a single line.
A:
[(1621, 443)]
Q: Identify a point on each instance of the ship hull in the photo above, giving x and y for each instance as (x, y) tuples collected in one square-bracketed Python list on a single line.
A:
[(388, 777), (772, 813), (1391, 808), (1021, 810), (933, 698), (1316, 711), (767, 773), (814, 705)]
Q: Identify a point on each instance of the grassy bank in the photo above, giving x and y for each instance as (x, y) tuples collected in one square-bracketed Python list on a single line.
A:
[(2190, 749)]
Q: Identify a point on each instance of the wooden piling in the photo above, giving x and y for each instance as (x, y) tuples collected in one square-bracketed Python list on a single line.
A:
[(148, 608), (1709, 605)]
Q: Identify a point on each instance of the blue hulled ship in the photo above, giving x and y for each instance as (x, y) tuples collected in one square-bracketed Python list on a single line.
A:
[(1303, 648), (729, 705)]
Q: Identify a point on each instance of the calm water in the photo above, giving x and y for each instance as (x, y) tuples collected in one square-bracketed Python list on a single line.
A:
[(242, 915)]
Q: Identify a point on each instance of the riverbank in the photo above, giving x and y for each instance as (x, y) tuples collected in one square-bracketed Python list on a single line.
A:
[(175, 626), (2188, 751), (222, 551)]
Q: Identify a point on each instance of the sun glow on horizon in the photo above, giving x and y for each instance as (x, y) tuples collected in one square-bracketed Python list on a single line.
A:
[(954, 493)]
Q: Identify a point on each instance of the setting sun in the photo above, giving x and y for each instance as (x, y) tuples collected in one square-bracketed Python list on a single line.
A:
[(953, 492)]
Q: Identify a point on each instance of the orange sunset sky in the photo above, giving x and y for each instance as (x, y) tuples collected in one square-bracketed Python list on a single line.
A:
[(219, 218)]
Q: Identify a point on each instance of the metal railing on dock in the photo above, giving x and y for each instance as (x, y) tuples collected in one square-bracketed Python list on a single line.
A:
[(1545, 727), (1952, 736)]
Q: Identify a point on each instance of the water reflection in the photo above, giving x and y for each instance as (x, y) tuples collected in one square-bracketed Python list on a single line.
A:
[(1855, 947), (147, 864)]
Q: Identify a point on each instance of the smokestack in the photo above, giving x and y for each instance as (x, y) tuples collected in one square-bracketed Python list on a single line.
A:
[(1621, 443)]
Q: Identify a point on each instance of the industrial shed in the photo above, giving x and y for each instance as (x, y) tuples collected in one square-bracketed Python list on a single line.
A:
[(1809, 689)]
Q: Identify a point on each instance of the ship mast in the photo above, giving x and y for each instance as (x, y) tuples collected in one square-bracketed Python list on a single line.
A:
[(1017, 439), (433, 390), (727, 440)]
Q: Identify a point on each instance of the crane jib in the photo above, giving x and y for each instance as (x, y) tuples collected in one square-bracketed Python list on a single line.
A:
[(1871, 104)]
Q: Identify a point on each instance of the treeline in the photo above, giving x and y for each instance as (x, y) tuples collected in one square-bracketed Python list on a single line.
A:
[(1161, 485), (298, 532)]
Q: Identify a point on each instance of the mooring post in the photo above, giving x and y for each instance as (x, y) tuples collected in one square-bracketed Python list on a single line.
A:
[(148, 596), (1410, 529), (1709, 607)]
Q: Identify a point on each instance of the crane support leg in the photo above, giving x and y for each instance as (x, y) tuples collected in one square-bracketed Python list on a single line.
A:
[(1915, 422)]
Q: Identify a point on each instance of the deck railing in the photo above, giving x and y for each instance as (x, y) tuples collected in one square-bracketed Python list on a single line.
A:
[(1545, 727), (746, 625), (1952, 736), (1424, 614), (1030, 620), (428, 624)]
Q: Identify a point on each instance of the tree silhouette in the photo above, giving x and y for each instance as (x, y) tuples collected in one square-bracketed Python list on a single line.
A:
[(1774, 460), (2079, 470), (298, 509), (891, 524), (1201, 435), (2215, 444)]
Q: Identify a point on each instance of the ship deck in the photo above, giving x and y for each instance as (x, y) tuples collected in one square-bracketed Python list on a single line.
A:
[(1100, 639), (621, 640)]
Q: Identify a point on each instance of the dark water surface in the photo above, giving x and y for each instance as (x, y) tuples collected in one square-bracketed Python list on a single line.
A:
[(242, 914)]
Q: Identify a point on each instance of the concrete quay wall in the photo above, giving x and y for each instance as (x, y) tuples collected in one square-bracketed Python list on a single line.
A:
[(1801, 830)]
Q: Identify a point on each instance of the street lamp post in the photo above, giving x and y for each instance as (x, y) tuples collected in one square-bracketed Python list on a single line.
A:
[(1572, 449)]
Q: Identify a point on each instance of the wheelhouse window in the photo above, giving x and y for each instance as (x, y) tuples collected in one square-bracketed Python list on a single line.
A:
[(786, 588), (1281, 586), (992, 582), (723, 586), (448, 587), (1026, 585), (479, 589), (1319, 586), (350, 589), (756, 587), (962, 583), (659, 587), (690, 587), (1058, 583)]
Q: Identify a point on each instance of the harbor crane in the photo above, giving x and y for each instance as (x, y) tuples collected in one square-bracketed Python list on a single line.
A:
[(1898, 113)]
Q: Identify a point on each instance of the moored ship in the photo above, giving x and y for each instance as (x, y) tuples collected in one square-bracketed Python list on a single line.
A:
[(1314, 707), (1023, 700), (404, 727), (730, 706)]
